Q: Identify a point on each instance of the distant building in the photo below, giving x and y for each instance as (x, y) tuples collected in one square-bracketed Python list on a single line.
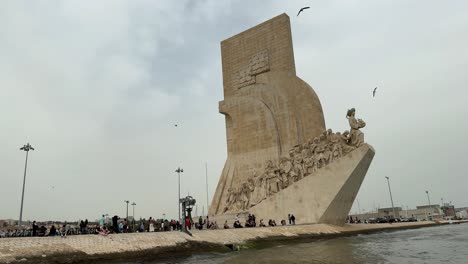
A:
[(462, 214), (389, 212), (428, 212), (433, 211), (448, 210)]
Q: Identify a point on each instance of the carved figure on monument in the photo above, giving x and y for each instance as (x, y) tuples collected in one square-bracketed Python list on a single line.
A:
[(310, 163), (231, 199), (319, 154), (272, 179), (285, 167), (356, 136), (344, 142), (244, 196), (297, 163), (259, 191)]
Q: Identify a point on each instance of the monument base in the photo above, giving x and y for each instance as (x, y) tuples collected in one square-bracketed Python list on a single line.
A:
[(324, 197)]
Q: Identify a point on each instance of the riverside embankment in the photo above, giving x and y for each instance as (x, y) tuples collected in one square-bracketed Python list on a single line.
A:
[(96, 248)]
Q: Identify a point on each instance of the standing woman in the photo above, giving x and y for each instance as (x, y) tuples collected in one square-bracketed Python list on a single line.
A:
[(151, 224)]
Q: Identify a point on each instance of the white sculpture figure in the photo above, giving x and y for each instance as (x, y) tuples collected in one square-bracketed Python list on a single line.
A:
[(356, 136)]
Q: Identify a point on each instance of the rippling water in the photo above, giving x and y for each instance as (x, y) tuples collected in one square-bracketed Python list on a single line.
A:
[(442, 244)]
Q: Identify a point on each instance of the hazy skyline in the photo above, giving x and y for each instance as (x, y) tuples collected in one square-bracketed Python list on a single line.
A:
[(96, 87)]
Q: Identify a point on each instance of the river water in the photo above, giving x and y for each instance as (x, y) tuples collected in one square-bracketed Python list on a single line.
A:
[(441, 244)]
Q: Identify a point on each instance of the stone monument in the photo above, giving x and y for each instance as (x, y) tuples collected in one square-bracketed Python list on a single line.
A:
[(281, 158)]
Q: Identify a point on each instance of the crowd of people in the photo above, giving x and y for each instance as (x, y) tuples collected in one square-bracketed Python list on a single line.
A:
[(115, 225), (251, 222)]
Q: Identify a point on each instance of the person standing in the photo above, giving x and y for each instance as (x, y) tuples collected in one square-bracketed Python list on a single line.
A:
[(151, 224), (125, 225), (81, 227), (34, 228), (200, 223), (115, 224), (102, 221), (289, 218), (86, 226), (121, 227), (53, 231), (64, 230), (293, 219)]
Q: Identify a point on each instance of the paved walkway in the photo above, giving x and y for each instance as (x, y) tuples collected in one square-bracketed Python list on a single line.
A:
[(118, 246)]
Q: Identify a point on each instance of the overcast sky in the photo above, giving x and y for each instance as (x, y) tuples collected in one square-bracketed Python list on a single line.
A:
[(97, 86)]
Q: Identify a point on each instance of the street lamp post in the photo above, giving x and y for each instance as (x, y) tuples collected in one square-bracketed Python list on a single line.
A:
[(179, 170), (26, 148), (126, 201), (429, 201), (390, 191), (133, 204)]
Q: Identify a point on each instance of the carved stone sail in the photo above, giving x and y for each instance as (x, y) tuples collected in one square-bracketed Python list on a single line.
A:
[(275, 131)]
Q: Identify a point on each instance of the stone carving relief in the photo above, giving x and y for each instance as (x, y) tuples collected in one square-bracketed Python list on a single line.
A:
[(303, 161), (258, 63), (356, 136)]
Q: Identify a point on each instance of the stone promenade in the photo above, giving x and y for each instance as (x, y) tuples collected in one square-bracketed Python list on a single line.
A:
[(96, 248)]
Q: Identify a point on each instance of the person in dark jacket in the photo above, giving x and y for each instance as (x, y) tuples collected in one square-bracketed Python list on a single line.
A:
[(34, 228)]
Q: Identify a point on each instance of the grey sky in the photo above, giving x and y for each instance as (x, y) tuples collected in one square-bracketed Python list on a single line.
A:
[(97, 86)]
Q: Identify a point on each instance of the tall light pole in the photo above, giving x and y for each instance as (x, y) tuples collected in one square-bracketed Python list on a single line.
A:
[(206, 178), (429, 201), (26, 148), (126, 201), (390, 191), (133, 204), (179, 170)]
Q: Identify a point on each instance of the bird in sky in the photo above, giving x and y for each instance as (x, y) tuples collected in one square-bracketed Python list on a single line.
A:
[(302, 9), (175, 125), (373, 93)]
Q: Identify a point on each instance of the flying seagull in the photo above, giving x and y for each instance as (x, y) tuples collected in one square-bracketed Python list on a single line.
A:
[(175, 125), (302, 9), (373, 93)]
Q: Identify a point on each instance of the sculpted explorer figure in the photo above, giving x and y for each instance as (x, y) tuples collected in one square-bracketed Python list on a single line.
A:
[(356, 136)]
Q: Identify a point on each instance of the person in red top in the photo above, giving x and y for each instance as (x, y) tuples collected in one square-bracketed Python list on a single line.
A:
[(187, 223)]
